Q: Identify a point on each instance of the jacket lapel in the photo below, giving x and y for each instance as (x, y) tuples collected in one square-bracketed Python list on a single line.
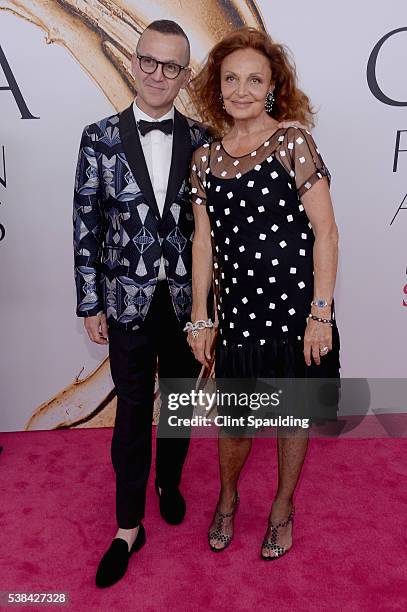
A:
[(134, 153), (180, 159)]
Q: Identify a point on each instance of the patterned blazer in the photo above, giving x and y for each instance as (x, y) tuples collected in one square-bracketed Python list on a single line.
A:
[(119, 235)]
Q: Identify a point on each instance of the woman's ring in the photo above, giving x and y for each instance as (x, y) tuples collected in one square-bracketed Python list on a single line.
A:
[(324, 349)]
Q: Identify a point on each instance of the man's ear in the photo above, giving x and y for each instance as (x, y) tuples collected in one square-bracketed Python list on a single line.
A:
[(133, 63), (186, 78)]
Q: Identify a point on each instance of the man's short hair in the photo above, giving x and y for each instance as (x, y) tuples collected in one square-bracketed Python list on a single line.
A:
[(166, 26)]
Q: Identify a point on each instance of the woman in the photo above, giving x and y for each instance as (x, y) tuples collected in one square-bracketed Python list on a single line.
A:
[(264, 220)]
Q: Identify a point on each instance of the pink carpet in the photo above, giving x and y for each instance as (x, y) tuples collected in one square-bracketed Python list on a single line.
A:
[(57, 518)]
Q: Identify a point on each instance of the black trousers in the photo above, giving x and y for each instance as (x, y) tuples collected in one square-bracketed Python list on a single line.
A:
[(133, 360)]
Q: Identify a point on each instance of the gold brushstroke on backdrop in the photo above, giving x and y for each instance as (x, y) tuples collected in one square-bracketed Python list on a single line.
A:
[(102, 36)]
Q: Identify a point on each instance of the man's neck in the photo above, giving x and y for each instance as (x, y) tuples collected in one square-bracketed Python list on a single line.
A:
[(154, 113)]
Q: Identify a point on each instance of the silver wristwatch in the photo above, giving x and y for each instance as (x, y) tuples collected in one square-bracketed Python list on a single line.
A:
[(320, 303)]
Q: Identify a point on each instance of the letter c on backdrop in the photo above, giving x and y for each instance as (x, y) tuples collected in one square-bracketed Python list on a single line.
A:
[(371, 71)]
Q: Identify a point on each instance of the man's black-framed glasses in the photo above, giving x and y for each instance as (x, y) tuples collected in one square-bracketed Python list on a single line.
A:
[(150, 64)]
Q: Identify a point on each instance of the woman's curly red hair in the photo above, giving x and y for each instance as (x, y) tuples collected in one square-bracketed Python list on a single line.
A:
[(291, 104)]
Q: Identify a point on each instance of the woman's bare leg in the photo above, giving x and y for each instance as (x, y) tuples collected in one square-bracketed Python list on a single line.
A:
[(292, 447), (233, 453)]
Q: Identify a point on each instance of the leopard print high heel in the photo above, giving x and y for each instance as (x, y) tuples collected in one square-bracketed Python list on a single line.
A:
[(217, 533), (270, 543)]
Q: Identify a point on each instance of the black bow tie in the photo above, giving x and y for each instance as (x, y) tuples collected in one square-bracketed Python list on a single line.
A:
[(145, 127)]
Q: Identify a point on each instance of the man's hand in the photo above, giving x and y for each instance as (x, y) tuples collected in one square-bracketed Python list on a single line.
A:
[(287, 124), (97, 328)]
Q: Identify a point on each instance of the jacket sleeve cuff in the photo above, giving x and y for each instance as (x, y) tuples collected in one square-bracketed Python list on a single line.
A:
[(93, 312)]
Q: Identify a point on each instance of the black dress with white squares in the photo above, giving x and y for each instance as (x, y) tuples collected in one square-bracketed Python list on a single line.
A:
[(263, 253)]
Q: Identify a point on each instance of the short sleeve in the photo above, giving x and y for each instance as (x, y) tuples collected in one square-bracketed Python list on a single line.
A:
[(199, 171), (300, 156)]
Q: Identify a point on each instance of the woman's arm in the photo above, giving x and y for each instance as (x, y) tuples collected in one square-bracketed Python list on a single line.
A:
[(201, 256), (202, 263), (318, 207)]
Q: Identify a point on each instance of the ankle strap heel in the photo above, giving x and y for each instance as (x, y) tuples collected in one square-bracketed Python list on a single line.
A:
[(217, 533), (270, 542)]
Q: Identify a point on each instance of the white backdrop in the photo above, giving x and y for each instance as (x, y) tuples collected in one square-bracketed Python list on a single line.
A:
[(43, 345)]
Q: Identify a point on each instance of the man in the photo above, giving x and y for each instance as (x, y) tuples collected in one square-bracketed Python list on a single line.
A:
[(133, 228)]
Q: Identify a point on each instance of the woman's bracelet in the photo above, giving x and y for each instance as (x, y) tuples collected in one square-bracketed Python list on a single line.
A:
[(320, 319), (195, 327)]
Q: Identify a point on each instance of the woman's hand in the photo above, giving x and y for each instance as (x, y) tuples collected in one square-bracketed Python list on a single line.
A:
[(317, 337), (201, 344)]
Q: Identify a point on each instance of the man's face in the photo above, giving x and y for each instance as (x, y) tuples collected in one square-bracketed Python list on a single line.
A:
[(155, 92)]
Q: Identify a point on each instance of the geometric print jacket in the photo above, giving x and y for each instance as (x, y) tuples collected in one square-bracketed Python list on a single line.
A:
[(119, 234)]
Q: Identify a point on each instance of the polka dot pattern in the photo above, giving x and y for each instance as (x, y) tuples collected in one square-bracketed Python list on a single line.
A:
[(259, 225)]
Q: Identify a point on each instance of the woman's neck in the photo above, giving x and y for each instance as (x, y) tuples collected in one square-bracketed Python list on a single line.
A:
[(249, 128)]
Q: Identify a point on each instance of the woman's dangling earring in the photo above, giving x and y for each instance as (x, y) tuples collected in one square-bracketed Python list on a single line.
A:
[(269, 101), (221, 99)]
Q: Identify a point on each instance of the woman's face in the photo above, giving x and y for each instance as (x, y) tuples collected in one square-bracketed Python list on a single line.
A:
[(245, 78)]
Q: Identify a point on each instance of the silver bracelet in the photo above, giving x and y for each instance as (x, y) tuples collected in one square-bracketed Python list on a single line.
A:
[(195, 327), (320, 319)]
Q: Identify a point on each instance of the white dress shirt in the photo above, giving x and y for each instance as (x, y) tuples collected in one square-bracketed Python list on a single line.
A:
[(157, 149)]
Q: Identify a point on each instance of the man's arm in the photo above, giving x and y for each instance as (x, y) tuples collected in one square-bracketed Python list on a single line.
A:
[(87, 241)]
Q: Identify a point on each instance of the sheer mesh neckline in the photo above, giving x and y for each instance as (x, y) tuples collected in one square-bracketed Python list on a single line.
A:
[(262, 144), (291, 149), (223, 165)]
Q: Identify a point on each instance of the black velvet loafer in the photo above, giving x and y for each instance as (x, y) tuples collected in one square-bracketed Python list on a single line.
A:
[(114, 562), (172, 505)]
